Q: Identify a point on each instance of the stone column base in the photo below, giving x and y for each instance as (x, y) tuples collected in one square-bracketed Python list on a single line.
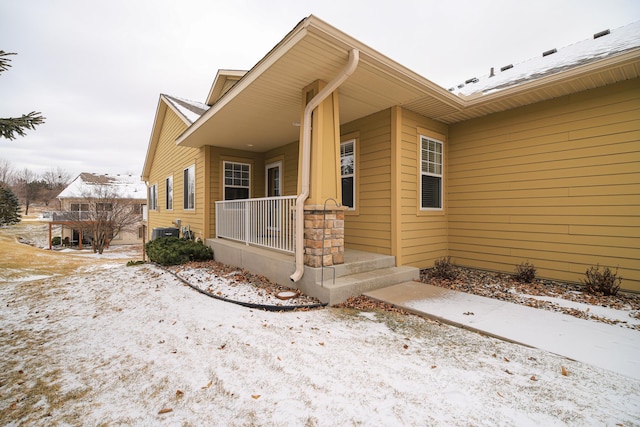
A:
[(326, 226)]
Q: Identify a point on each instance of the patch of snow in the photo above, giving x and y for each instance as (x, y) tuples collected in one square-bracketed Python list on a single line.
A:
[(188, 113), (89, 184), (31, 278), (369, 315), (114, 252), (607, 346), (15, 275), (228, 288), (118, 345)]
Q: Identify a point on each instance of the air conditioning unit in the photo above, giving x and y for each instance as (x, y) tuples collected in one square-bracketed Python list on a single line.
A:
[(165, 232)]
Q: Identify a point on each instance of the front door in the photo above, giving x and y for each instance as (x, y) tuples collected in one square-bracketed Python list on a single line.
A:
[(273, 181)]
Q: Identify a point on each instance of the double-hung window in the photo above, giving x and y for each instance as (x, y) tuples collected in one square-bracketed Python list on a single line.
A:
[(153, 197), (169, 193), (431, 167), (236, 180), (348, 173), (189, 201), (79, 207)]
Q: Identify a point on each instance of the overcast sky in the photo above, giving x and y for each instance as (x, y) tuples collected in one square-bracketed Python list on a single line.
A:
[(95, 69)]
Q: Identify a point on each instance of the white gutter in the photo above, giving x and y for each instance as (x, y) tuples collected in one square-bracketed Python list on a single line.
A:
[(354, 58)]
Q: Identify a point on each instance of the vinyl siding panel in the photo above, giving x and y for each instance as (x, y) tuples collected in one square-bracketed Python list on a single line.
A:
[(555, 183), (423, 233), (171, 160), (368, 227), (288, 154)]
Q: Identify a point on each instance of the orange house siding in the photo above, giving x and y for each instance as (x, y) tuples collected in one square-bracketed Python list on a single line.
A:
[(556, 183), (368, 227), (171, 160), (423, 233)]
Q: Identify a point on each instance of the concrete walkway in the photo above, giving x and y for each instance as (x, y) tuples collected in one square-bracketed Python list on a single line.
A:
[(610, 347)]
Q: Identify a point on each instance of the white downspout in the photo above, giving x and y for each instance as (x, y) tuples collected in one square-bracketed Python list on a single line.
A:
[(354, 57)]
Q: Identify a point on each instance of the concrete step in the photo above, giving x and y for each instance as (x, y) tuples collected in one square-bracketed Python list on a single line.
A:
[(359, 261), (359, 283), (354, 262)]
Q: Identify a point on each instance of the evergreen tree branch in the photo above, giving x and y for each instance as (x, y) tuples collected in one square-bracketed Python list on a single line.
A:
[(12, 126), (4, 60)]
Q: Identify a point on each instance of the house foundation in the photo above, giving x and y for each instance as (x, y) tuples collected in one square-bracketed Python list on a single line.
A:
[(323, 235)]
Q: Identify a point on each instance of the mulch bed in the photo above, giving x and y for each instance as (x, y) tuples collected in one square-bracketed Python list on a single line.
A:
[(489, 284), (504, 287)]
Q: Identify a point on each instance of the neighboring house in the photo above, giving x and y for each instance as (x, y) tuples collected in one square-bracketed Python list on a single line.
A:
[(87, 195), (537, 162)]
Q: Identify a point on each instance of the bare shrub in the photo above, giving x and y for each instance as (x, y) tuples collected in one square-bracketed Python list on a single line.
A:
[(443, 268), (525, 272), (603, 282)]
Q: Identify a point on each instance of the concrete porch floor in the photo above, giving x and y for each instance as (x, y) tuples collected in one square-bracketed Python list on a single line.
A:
[(361, 271)]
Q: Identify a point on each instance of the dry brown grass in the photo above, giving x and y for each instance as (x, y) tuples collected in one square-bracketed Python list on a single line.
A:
[(18, 260)]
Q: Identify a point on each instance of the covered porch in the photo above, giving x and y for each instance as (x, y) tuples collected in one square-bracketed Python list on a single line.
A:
[(74, 223), (291, 107)]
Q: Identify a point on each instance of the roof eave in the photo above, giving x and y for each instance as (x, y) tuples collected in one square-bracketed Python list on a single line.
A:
[(155, 137), (280, 49), (312, 25)]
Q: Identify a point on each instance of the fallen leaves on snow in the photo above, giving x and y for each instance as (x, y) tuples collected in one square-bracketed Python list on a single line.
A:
[(504, 287), (368, 304), (237, 284)]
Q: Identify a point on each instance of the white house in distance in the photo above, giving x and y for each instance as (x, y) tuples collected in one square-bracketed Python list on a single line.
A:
[(83, 195)]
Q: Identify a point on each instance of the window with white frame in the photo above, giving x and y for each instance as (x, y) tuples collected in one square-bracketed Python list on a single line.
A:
[(431, 167), (190, 187), (79, 207), (348, 173), (237, 180), (153, 197), (168, 184)]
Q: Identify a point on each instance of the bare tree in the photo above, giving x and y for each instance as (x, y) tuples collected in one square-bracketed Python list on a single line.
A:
[(55, 180), (6, 172), (104, 215), (57, 177), (28, 187), (12, 126)]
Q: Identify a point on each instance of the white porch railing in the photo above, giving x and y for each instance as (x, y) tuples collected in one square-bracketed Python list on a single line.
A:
[(267, 222)]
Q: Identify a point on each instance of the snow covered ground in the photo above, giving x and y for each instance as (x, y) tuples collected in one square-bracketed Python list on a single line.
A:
[(134, 345)]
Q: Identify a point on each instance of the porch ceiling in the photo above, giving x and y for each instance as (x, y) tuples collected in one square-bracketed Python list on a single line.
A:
[(259, 113)]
